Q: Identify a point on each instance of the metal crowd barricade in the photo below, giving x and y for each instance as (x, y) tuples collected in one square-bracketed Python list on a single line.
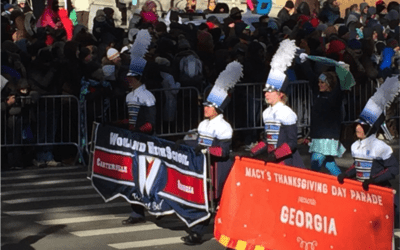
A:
[(248, 103), (178, 111), (354, 100), (51, 120)]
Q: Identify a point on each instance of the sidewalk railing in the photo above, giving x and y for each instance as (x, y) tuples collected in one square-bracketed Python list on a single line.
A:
[(178, 111), (64, 120), (248, 102), (49, 121)]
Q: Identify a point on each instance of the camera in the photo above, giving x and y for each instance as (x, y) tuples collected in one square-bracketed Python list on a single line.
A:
[(21, 101)]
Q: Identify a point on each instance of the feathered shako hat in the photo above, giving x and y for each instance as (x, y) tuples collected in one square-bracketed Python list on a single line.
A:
[(281, 61), (138, 50), (373, 112), (218, 96)]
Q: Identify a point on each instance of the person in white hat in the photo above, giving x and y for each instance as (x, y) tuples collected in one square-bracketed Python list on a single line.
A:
[(141, 105), (374, 162), (23, 7), (111, 64), (215, 136), (279, 140)]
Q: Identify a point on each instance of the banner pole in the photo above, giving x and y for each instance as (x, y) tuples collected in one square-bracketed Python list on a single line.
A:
[(89, 173), (210, 176)]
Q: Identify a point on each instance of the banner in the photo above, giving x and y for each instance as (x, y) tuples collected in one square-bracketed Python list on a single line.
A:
[(270, 206), (146, 170)]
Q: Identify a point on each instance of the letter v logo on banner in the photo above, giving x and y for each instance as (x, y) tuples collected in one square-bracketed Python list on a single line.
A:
[(148, 169)]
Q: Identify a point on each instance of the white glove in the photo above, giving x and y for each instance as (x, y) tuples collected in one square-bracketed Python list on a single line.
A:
[(344, 65), (303, 57), (204, 150)]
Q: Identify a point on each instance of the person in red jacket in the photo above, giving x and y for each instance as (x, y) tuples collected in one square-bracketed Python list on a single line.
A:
[(49, 18), (65, 20)]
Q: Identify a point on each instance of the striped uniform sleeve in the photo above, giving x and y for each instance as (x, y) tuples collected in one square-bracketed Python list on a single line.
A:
[(390, 171), (288, 119), (287, 148), (220, 148), (351, 172)]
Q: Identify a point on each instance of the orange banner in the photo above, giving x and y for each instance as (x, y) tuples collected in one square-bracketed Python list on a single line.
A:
[(270, 206)]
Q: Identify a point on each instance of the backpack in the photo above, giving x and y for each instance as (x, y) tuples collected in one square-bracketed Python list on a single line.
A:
[(190, 70)]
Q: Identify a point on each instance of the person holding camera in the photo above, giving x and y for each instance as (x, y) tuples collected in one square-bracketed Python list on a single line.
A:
[(17, 107)]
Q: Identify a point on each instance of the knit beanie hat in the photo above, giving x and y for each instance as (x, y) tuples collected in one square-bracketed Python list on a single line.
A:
[(286, 30), (322, 27), (100, 16), (112, 54), (380, 8), (351, 18), (342, 30), (61, 4), (392, 15), (8, 6), (335, 47), (363, 5), (392, 43), (314, 22), (289, 4), (204, 41), (371, 11)]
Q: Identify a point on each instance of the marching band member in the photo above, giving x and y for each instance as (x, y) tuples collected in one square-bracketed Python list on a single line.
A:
[(374, 162), (215, 135), (140, 101), (279, 142), (141, 104)]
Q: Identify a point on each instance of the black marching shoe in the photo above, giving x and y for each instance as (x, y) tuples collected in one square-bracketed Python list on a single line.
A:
[(192, 239), (132, 220)]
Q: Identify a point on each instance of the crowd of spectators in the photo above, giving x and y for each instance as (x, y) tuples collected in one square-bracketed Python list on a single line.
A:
[(53, 54)]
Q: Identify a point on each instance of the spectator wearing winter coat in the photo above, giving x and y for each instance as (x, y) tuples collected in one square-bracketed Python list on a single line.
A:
[(354, 15), (149, 13), (46, 74), (381, 9), (364, 13), (111, 64), (103, 28), (386, 68), (285, 13), (335, 49), (65, 20), (313, 6), (8, 8), (393, 23), (168, 82), (330, 11), (22, 6), (51, 20)]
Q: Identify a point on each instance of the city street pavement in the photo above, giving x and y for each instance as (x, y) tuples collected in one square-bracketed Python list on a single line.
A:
[(57, 208)]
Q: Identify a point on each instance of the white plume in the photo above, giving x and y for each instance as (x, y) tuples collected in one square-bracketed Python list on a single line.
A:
[(284, 56), (230, 76), (142, 42), (386, 93)]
